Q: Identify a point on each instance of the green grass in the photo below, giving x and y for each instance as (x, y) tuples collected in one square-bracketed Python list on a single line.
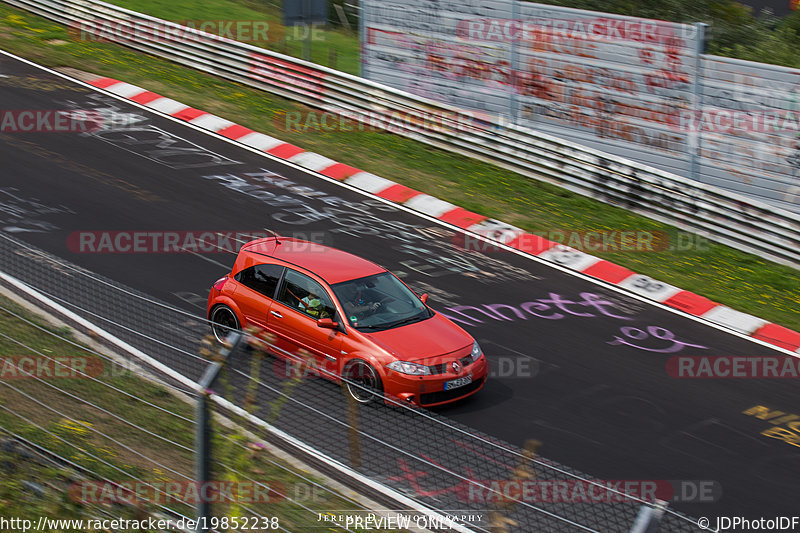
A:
[(737, 279), (85, 439)]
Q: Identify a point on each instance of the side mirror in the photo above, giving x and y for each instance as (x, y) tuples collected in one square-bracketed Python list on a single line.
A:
[(327, 323), (424, 298)]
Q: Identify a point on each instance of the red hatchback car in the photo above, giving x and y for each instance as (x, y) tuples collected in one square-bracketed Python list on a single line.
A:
[(356, 318)]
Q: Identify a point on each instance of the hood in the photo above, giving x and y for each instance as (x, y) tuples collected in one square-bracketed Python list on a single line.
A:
[(428, 338)]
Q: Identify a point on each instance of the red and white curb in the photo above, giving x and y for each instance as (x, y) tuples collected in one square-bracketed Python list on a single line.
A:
[(565, 256)]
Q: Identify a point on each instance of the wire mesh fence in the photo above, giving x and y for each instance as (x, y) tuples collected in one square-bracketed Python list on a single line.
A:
[(89, 441), (94, 484), (483, 482), (167, 334), (473, 481)]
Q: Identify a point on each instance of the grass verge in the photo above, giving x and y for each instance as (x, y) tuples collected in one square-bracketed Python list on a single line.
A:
[(335, 48), (742, 281)]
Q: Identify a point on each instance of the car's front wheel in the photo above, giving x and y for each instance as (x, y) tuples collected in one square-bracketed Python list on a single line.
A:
[(362, 382), (223, 320)]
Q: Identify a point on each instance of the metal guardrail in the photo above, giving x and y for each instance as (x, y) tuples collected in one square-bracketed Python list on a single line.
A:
[(719, 215)]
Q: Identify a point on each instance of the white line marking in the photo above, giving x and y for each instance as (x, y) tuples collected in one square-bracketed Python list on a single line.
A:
[(204, 258)]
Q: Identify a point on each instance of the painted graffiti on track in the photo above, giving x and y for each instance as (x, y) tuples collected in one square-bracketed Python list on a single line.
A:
[(19, 214), (559, 307), (132, 132), (427, 251)]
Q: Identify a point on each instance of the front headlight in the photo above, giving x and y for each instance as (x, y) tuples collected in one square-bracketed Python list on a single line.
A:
[(476, 351), (413, 369)]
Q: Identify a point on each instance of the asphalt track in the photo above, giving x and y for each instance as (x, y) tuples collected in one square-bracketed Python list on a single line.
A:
[(599, 399)]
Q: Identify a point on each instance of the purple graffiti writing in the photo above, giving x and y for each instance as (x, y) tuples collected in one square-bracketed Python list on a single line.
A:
[(656, 332), (555, 307)]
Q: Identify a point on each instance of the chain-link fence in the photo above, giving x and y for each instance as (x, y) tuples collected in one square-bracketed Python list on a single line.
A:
[(482, 483), (85, 439), (164, 333), (488, 484)]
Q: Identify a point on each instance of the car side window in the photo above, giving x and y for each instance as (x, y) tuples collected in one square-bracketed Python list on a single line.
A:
[(261, 278), (306, 295)]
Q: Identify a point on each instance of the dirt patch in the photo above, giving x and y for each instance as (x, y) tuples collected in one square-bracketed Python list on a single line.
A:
[(75, 73)]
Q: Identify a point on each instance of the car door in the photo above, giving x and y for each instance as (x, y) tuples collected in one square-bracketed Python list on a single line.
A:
[(255, 292), (293, 320)]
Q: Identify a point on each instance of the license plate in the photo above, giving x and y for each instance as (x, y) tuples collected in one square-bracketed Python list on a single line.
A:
[(456, 383)]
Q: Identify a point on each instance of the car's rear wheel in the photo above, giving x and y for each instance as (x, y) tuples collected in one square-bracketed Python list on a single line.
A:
[(363, 384), (223, 320)]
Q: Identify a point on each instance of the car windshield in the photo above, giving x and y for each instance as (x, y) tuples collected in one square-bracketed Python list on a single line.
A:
[(379, 302)]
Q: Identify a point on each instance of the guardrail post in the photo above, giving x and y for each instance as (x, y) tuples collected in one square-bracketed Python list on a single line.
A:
[(362, 38), (202, 444), (696, 134), (649, 517), (515, 69)]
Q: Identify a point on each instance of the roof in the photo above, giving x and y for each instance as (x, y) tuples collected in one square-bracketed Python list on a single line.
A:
[(330, 264)]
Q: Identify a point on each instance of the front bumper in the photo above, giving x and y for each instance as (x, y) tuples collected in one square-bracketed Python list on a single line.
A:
[(428, 391)]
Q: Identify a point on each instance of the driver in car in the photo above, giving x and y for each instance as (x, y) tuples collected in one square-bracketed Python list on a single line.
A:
[(361, 303)]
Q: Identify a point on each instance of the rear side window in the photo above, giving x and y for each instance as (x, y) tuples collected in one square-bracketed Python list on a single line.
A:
[(306, 295), (261, 278)]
